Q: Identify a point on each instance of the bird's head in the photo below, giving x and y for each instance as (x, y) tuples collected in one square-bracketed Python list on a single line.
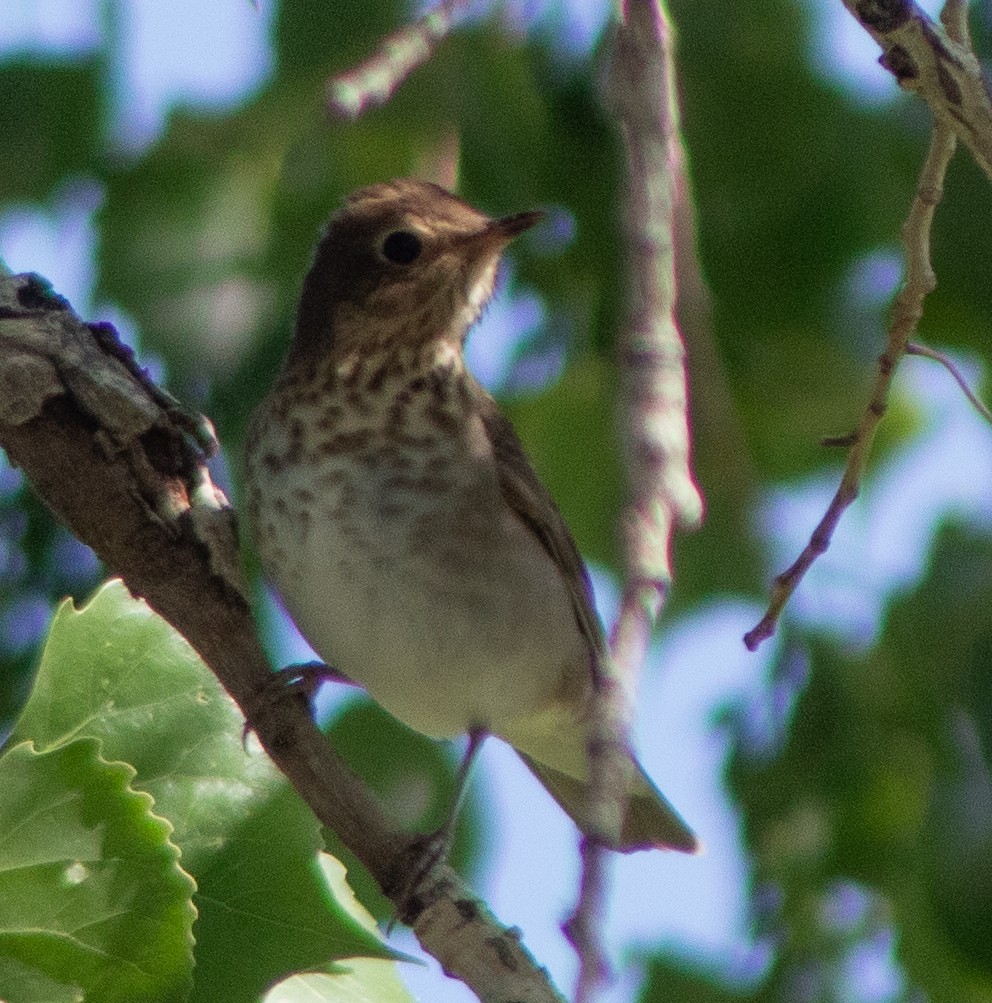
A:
[(401, 263)]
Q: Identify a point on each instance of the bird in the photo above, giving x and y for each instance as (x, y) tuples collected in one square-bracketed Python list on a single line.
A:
[(398, 517)]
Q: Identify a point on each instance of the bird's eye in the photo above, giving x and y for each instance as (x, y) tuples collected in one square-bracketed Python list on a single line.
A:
[(401, 247)]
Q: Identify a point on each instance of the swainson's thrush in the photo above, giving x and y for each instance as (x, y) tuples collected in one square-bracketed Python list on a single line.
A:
[(398, 516)]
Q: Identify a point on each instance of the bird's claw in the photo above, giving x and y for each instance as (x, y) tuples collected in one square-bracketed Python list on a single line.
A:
[(415, 865), (300, 678)]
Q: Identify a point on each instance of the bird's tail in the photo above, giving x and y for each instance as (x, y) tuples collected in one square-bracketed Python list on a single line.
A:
[(650, 822)]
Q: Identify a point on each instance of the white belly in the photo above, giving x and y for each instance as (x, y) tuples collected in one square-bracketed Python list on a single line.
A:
[(442, 604)]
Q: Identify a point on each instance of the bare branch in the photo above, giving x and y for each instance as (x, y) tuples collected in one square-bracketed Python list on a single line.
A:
[(954, 18), (938, 65), (111, 458), (641, 92), (373, 82), (906, 312), (931, 353)]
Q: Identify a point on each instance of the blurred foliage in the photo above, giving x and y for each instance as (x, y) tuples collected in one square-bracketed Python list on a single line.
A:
[(881, 781)]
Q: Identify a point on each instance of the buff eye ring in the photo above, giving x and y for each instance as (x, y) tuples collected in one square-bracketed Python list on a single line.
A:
[(402, 247)]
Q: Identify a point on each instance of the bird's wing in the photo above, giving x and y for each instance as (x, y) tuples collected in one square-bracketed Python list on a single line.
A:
[(649, 821), (534, 506)]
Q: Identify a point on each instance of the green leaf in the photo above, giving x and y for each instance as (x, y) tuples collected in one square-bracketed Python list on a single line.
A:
[(117, 672), (362, 980), (93, 903), (359, 980), (267, 908)]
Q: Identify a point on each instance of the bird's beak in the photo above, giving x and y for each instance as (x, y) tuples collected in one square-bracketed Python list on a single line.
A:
[(510, 226), (497, 233)]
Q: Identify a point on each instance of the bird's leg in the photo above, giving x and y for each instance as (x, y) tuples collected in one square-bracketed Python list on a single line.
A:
[(476, 736), (426, 851), (436, 844)]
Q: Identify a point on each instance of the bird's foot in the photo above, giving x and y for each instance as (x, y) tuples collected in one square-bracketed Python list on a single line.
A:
[(302, 678), (413, 872), (307, 677)]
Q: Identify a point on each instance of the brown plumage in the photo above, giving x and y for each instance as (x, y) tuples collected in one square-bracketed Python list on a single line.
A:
[(396, 511)]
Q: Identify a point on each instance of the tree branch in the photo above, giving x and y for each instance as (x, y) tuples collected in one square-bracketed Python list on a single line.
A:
[(939, 65), (931, 353), (114, 458), (640, 90), (906, 313), (374, 81)]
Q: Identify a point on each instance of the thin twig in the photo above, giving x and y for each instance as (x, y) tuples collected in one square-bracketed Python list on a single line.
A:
[(373, 82), (641, 92), (931, 353), (906, 312)]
